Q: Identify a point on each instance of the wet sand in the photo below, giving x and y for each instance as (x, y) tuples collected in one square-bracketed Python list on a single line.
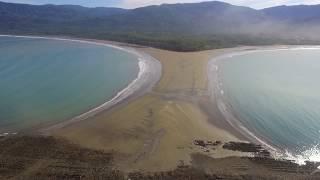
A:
[(154, 125), (155, 128), (157, 131), (218, 98), (149, 74)]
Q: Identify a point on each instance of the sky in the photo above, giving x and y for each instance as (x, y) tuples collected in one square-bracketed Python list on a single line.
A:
[(129, 4)]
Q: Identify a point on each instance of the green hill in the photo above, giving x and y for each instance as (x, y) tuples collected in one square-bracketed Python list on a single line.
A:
[(181, 27)]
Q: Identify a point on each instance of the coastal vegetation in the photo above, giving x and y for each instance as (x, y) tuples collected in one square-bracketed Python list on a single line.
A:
[(171, 129), (165, 134), (178, 27)]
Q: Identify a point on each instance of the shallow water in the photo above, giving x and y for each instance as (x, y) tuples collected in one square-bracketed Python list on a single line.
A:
[(276, 95), (52, 80)]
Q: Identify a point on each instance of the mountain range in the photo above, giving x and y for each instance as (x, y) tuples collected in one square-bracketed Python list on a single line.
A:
[(182, 27)]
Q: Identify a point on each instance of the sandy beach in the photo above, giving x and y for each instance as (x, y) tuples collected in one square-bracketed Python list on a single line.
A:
[(218, 97), (149, 74), (152, 124), (161, 123), (157, 130)]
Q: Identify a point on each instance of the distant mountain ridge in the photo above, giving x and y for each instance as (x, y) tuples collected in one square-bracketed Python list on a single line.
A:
[(294, 14), (65, 11), (191, 26)]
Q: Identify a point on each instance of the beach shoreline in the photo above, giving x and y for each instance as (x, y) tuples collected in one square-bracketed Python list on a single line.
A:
[(218, 97), (171, 90), (154, 124), (148, 75), (164, 122)]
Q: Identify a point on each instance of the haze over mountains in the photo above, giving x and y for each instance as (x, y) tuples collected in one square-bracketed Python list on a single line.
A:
[(182, 27)]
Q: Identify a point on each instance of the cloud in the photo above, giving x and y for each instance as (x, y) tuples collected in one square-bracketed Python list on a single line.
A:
[(251, 3), (89, 3), (139, 3)]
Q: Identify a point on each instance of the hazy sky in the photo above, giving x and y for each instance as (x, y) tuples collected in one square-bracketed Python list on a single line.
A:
[(138, 3)]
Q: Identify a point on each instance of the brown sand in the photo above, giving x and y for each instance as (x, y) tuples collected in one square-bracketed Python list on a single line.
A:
[(156, 132)]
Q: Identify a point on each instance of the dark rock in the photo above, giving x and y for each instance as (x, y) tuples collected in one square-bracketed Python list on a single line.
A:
[(247, 147)]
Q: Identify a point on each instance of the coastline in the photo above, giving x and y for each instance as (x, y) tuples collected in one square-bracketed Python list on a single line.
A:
[(148, 75), (158, 130), (191, 87), (217, 96), (153, 125)]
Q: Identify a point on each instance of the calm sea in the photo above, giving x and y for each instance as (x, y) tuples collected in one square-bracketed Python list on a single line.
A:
[(276, 95), (45, 81)]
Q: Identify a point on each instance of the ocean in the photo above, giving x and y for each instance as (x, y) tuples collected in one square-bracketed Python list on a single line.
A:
[(276, 96), (46, 81)]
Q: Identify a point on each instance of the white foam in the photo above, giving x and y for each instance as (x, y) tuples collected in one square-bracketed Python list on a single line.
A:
[(312, 155), (65, 39), (115, 99), (230, 55), (7, 134), (215, 85), (216, 67), (144, 63)]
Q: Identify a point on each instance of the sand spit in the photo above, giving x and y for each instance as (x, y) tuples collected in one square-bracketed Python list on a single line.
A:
[(157, 131)]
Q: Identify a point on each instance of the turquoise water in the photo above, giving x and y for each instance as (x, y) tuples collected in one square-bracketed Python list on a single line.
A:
[(276, 95), (45, 81)]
